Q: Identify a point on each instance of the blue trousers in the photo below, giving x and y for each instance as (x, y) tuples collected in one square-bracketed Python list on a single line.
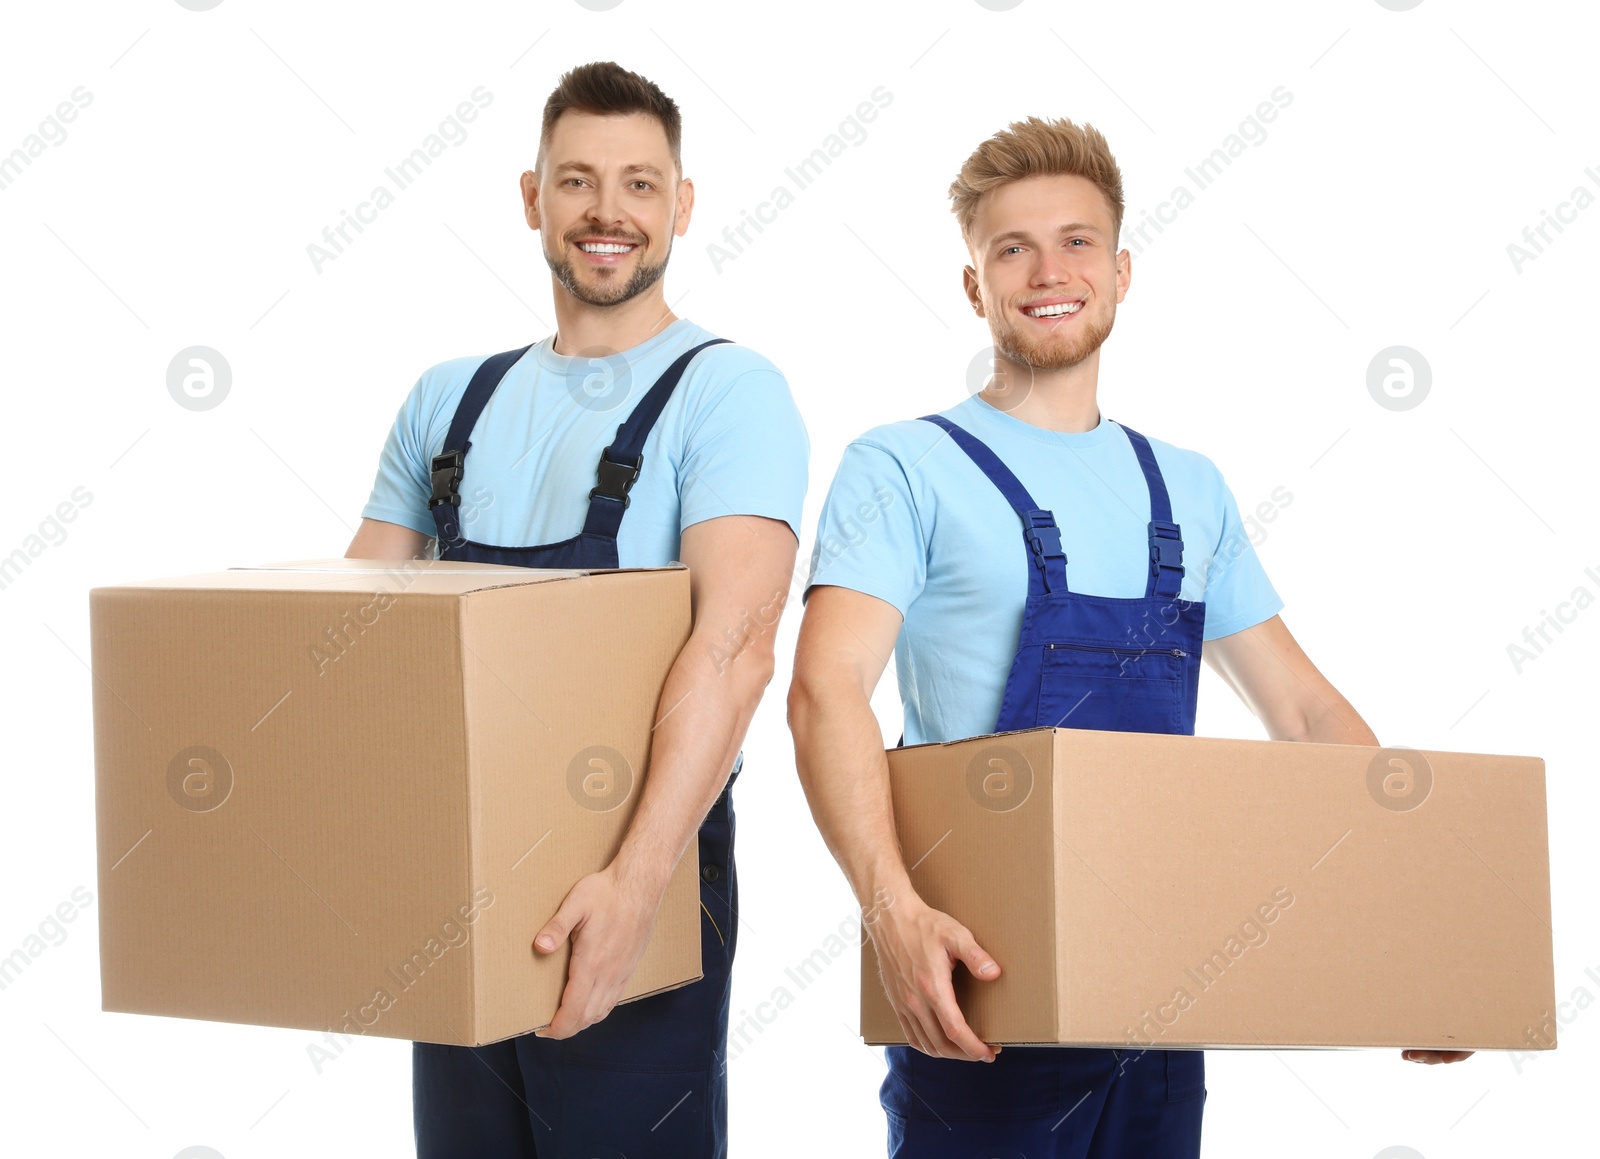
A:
[(648, 1080), (1045, 1103)]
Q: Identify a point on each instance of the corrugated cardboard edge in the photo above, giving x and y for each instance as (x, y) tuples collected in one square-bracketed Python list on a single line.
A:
[(1060, 822), (513, 574), (1222, 740), (496, 575), (1549, 916), (98, 598), (474, 791), (624, 1002)]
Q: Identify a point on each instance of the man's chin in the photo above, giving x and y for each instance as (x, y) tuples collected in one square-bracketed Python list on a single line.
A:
[(609, 292), (1052, 354), (1048, 356), (608, 289)]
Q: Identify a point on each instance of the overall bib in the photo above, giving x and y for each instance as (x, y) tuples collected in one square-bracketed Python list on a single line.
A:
[(650, 1079), (1082, 661)]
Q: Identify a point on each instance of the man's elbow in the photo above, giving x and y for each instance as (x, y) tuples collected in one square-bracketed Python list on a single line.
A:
[(1288, 721), (750, 668), (806, 712), (801, 701), (1291, 726), (762, 669)]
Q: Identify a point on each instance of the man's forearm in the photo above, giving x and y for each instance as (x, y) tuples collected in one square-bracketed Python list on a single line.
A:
[(704, 712), (840, 758), (1331, 719)]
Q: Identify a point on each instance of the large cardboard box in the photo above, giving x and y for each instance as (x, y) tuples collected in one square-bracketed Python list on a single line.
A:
[(345, 794), (1174, 891)]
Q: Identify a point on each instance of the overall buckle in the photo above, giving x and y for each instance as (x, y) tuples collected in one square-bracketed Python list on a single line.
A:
[(1043, 536), (616, 479), (1166, 546), (447, 469)]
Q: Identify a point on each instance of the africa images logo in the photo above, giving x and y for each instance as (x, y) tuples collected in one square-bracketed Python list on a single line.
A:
[(599, 778), (199, 778), (999, 778), (1399, 779)]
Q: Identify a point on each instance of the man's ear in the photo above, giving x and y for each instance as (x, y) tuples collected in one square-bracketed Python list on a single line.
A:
[(969, 283), (530, 198), (685, 207)]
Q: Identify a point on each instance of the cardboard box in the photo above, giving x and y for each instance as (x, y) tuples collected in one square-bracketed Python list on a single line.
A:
[(1175, 891), (345, 794)]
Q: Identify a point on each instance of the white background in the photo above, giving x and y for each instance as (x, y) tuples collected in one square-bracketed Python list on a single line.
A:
[(1377, 212)]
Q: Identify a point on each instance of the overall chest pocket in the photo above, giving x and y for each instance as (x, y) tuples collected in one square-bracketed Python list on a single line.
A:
[(1117, 689)]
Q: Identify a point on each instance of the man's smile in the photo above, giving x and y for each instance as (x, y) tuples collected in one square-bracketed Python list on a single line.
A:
[(605, 251), (1050, 311)]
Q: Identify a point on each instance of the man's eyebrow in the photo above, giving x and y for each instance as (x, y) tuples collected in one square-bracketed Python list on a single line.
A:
[(585, 167), (1012, 235)]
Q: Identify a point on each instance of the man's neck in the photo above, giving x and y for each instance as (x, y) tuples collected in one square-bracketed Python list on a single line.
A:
[(613, 329), (1056, 400)]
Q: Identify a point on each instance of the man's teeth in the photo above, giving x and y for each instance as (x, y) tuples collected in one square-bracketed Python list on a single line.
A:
[(595, 247), (1053, 311)]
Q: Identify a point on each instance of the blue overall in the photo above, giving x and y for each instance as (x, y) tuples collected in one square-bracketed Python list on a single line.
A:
[(1082, 661), (650, 1079)]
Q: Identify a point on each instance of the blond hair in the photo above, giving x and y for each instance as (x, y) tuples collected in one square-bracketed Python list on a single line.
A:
[(1036, 148)]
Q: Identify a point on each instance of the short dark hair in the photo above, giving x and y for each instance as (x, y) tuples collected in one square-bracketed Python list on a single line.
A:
[(606, 89)]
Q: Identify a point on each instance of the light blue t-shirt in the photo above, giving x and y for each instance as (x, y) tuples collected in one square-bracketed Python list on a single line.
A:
[(730, 442), (911, 520)]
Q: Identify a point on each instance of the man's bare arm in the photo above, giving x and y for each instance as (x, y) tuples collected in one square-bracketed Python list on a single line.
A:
[(375, 539), (740, 569), (845, 642), (1266, 666)]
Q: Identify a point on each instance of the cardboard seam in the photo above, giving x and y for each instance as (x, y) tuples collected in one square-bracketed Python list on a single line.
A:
[(1058, 996), (474, 801)]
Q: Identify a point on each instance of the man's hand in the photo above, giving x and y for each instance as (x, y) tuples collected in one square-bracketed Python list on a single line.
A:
[(609, 921), (1433, 1056), (845, 642), (918, 948), (739, 572)]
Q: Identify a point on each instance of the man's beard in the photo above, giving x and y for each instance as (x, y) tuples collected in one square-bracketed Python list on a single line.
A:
[(1050, 352), (608, 293)]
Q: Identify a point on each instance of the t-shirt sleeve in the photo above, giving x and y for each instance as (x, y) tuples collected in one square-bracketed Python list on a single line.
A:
[(870, 536), (747, 454), (1238, 594), (404, 482)]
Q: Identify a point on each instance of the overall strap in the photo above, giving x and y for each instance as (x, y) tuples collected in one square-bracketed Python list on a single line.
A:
[(621, 462), (445, 502), (1166, 538), (1049, 573)]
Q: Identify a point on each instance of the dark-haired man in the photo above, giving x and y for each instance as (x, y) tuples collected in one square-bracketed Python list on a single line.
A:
[(628, 438)]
